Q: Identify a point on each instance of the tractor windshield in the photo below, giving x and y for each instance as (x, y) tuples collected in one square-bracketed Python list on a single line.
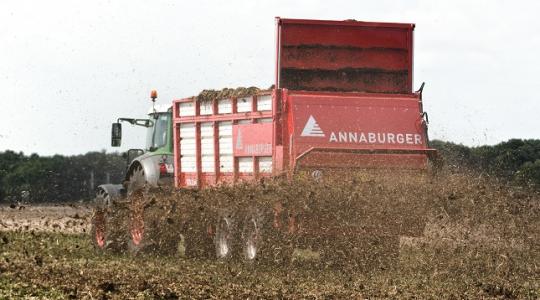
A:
[(156, 136)]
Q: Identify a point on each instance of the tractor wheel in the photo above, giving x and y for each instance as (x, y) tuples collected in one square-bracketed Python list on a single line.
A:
[(102, 200), (152, 229), (224, 235), (108, 224), (136, 191), (152, 225), (97, 231)]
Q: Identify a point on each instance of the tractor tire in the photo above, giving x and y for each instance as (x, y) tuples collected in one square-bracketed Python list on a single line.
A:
[(151, 227), (98, 229), (152, 231), (102, 200), (108, 224)]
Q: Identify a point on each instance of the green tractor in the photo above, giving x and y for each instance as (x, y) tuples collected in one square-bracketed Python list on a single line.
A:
[(151, 167)]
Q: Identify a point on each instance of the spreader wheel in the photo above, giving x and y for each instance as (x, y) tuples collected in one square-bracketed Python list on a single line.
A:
[(263, 244), (252, 237), (224, 236)]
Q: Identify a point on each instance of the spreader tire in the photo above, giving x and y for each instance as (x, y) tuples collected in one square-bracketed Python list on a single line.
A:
[(225, 235), (252, 236)]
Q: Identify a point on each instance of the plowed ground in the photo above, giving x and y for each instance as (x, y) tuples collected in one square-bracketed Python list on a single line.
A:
[(482, 240)]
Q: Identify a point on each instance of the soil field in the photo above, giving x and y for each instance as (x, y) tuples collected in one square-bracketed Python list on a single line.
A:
[(60, 266), (72, 218), (481, 242)]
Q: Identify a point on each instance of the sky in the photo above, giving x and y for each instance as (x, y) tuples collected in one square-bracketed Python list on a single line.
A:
[(68, 69)]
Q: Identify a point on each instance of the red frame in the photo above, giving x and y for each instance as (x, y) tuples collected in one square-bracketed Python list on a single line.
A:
[(288, 153), (205, 178)]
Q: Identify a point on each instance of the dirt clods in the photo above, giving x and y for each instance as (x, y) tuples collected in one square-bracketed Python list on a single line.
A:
[(453, 236)]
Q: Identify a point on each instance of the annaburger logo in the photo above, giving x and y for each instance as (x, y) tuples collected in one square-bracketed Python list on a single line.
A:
[(312, 128)]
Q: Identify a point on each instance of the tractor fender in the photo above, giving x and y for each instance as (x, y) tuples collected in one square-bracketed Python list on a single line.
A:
[(114, 191), (150, 165)]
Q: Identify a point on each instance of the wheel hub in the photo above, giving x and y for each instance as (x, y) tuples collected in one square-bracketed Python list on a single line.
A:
[(99, 234), (100, 238), (223, 248), (137, 235), (251, 250), (251, 242), (137, 228)]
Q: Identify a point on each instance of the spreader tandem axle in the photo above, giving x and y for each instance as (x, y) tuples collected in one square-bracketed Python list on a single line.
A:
[(327, 159)]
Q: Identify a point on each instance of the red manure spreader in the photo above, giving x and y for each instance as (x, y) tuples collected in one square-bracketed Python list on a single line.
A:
[(333, 158), (343, 98)]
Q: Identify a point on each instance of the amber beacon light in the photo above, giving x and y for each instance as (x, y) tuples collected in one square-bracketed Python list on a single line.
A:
[(153, 95)]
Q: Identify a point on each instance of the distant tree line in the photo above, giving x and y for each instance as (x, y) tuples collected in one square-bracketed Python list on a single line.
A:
[(60, 178), (515, 160), (56, 178)]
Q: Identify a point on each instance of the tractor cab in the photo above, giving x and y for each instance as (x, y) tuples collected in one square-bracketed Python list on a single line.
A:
[(158, 130), (158, 134), (156, 157)]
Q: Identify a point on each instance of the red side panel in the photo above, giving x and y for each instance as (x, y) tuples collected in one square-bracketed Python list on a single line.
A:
[(357, 130), (222, 140), (344, 56), (252, 139), (360, 122)]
